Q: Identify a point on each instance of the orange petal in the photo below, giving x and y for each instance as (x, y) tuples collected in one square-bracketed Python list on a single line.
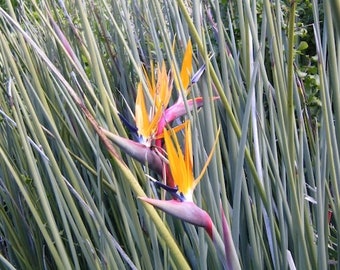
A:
[(175, 160), (186, 69), (153, 124), (181, 172), (141, 114), (175, 129), (188, 147), (163, 93), (186, 66)]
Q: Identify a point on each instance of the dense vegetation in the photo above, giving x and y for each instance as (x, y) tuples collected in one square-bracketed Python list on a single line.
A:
[(261, 93)]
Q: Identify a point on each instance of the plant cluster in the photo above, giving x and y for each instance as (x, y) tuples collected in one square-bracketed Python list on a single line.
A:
[(169, 134)]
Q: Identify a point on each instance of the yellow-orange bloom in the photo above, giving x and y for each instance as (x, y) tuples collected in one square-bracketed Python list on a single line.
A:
[(150, 120), (186, 70), (181, 164), (160, 92)]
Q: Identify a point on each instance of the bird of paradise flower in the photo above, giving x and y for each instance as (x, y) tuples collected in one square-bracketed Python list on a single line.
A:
[(152, 112), (180, 165), (160, 92), (182, 204)]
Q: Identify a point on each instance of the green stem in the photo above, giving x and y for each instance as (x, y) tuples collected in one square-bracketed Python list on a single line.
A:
[(290, 97)]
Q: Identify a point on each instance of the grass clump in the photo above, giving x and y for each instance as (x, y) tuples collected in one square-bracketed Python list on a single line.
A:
[(69, 197)]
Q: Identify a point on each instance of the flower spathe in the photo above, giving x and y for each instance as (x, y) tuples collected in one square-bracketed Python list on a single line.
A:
[(138, 151), (187, 211)]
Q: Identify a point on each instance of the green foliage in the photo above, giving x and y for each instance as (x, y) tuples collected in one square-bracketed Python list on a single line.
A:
[(66, 203)]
